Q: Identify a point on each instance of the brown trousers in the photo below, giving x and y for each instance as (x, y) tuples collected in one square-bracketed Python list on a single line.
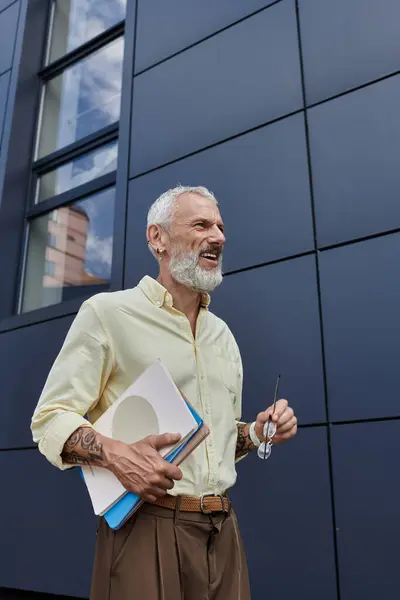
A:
[(163, 554)]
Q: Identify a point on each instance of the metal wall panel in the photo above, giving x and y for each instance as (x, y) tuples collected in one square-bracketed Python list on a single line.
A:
[(360, 302), (8, 32), (367, 490), (167, 27), (26, 356), (355, 144), (6, 3), (347, 43), (4, 85), (284, 512), (245, 76), (48, 528)]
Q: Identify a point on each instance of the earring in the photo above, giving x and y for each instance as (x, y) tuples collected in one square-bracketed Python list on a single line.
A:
[(159, 252)]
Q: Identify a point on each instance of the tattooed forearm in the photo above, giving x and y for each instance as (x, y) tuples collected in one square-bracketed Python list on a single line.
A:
[(244, 443), (83, 447), (74, 459)]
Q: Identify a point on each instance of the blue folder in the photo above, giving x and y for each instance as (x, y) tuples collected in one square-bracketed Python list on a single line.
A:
[(118, 514)]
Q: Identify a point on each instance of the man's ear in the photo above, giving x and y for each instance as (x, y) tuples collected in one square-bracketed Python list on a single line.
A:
[(155, 237)]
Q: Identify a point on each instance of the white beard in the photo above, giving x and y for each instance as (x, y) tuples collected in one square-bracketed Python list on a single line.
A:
[(185, 269)]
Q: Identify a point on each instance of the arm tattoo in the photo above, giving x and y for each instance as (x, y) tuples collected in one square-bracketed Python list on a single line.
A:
[(244, 443), (74, 459), (83, 448)]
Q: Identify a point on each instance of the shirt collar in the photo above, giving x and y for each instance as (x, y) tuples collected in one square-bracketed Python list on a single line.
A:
[(159, 296)]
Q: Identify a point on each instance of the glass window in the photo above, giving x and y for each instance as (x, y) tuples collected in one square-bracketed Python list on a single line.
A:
[(49, 268), (82, 169), (78, 21), (81, 262), (52, 240), (83, 99)]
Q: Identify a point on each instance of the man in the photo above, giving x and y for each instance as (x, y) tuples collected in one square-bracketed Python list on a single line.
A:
[(184, 541)]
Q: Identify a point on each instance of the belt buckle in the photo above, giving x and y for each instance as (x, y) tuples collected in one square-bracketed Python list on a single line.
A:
[(222, 503), (208, 512)]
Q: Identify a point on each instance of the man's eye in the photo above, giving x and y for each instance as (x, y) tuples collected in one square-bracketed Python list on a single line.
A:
[(199, 225)]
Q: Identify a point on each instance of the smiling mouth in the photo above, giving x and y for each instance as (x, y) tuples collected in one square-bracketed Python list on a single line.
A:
[(210, 257)]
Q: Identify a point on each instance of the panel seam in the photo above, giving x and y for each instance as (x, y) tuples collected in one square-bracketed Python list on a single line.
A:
[(206, 38), (320, 312), (8, 6)]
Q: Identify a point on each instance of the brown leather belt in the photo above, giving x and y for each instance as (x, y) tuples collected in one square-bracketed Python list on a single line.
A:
[(206, 504)]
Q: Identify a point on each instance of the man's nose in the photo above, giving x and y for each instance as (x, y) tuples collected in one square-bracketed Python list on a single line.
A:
[(217, 236)]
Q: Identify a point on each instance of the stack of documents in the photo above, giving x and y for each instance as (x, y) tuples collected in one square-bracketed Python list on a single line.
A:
[(152, 405)]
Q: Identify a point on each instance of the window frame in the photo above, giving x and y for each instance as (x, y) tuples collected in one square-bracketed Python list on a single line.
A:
[(37, 23)]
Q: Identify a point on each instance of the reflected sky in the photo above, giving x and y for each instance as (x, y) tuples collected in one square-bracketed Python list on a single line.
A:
[(84, 99), (84, 168), (78, 21), (100, 210)]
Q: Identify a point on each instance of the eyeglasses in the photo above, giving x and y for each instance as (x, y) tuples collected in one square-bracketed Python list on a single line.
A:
[(264, 449)]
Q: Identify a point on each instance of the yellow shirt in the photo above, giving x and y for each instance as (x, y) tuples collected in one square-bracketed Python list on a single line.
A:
[(113, 338)]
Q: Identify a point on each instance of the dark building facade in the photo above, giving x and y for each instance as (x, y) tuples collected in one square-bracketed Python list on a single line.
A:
[(289, 111)]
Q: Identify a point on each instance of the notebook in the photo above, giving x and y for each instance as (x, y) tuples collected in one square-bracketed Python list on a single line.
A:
[(118, 514), (152, 404)]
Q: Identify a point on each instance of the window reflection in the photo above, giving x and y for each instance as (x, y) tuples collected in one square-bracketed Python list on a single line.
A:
[(82, 169), (83, 99), (78, 21), (80, 259)]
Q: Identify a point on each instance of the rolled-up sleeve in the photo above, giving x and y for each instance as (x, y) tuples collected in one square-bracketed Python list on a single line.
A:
[(74, 384)]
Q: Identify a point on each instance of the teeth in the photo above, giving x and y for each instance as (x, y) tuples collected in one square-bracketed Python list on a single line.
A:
[(213, 256)]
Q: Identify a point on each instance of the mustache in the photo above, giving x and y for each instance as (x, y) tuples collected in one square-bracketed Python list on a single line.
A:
[(211, 249)]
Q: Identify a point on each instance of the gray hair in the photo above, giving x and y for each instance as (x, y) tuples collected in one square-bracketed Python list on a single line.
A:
[(161, 212)]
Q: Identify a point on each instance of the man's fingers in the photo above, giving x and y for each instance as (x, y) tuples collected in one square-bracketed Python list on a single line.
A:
[(281, 437), (287, 426), (157, 491), (285, 416), (151, 497), (164, 482), (165, 439), (172, 471), (280, 407)]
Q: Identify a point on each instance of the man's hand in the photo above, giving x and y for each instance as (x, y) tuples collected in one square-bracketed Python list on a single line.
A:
[(284, 417), (140, 468)]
